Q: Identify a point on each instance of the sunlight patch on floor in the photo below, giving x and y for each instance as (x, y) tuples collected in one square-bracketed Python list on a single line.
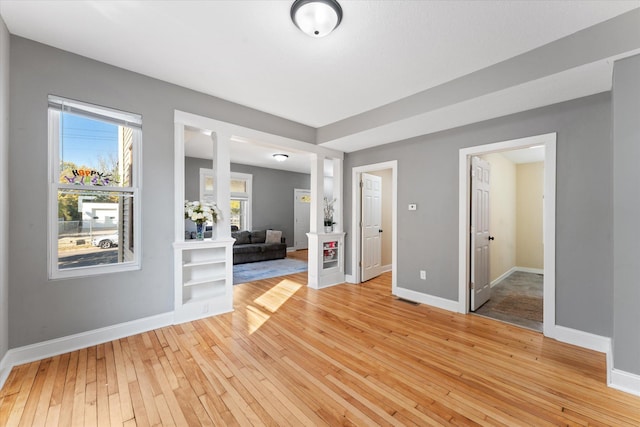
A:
[(278, 295), (255, 318), (271, 301)]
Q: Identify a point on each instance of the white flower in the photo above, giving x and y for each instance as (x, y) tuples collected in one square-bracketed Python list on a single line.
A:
[(201, 212)]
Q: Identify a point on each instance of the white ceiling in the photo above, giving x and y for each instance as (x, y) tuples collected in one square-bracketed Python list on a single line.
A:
[(383, 54), (525, 155), (198, 144)]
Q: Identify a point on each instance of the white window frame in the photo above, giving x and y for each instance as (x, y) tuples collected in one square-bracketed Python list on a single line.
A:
[(246, 196), (57, 105)]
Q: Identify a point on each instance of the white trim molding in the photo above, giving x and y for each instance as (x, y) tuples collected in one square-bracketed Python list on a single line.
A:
[(549, 225), (625, 381), (408, 294), (513, 270), (356, 172), (616, 378), (582, 339), (57, 346)]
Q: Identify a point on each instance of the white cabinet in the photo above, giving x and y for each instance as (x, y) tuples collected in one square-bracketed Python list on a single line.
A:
[(326, 259), (203, 279)]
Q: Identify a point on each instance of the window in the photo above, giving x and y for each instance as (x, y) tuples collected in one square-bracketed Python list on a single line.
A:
[(241, 184), (94, 213)]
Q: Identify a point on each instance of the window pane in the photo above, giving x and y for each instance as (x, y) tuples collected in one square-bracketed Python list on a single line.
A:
[(94, 153), (94, 228), (238, 186), (239, 213), (208, 184)]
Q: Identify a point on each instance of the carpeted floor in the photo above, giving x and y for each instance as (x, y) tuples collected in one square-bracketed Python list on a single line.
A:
[(249, 272), (518, 300)]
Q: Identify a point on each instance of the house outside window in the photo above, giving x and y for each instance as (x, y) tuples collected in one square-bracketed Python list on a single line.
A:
[(94, 189)]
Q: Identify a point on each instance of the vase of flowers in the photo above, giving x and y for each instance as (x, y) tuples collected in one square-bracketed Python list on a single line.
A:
[(200, 213), (328, 214)]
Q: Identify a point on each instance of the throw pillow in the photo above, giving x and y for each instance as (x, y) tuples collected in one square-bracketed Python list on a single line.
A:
[(273, 236)]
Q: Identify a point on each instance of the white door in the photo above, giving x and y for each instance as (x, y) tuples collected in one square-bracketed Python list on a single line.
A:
[(480, 284), (301, 214), (371, 187)]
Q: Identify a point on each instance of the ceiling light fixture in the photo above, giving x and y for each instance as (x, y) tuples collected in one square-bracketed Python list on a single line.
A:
[(280, 157), (317, 18)]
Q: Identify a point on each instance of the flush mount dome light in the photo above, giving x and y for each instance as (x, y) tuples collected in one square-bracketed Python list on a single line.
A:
[(280, 157), (316, 17)]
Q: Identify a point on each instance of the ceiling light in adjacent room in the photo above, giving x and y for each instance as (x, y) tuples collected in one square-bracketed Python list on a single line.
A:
[(317, 18), (280, 157)]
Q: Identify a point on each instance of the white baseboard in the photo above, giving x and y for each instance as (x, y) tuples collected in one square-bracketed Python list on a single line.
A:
[(5, 370), (438, 302), (350, 278), (625, 381), (616, 378), (386, 268), (513, 270), (42, 350), (588, 341), (582, 339), (503, 276), (530, 270)]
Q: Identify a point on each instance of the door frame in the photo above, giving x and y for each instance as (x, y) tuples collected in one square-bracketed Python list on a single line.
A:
[(356, 209), (549, 220)]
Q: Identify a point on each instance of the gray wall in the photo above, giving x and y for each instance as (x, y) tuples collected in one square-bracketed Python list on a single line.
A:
[(626, 193), (428, 176), (4, 189), (273, 198), (192, 166), (41, 309), (272, 193)]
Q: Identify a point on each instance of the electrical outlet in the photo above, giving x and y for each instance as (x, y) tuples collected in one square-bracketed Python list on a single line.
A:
[(205, 308), (423, 274)]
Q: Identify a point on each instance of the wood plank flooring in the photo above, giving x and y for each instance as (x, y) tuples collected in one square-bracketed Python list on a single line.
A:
[(347, 355)]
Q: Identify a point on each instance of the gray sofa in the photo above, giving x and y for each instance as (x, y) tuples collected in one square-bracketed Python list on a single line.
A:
[(250, 246)]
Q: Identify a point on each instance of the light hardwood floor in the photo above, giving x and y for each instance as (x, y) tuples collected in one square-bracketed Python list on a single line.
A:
[(347, 355)]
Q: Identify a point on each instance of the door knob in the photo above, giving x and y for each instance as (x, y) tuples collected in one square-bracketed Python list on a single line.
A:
[(379, 231), (491, 238)]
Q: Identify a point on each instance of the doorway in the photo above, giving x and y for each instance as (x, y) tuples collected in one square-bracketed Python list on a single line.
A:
[(512, 212), (301, 218), (388, 171), (547, 141)]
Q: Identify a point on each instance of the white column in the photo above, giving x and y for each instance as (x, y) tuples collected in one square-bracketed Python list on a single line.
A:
[(222, 182), (317, 193), (178, 186), (337, 195)]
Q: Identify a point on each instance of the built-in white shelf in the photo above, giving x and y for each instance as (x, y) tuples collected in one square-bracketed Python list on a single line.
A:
[(203, 278), (206, 280), (200, 263), (326, 259)]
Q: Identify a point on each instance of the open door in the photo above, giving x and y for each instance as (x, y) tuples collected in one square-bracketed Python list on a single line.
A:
[(371, 221), (480, 286)]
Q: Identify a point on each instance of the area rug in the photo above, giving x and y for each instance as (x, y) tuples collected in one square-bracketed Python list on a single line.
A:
[(252, 271), (523, 306)]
